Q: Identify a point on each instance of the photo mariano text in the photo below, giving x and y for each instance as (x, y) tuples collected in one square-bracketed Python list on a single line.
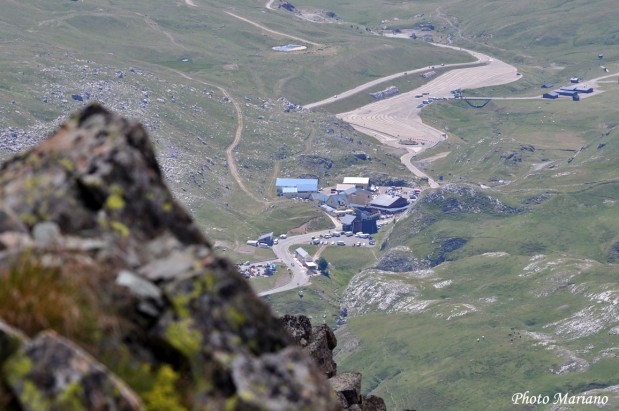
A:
[(562, 398)]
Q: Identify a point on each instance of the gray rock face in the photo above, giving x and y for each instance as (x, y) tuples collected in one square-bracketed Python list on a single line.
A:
[(348, 388), (298, 327), (51, 373), (46, 234), (320, 348), (194, 332), (11, 340), (373, 403), (318, 342), (139, 286)]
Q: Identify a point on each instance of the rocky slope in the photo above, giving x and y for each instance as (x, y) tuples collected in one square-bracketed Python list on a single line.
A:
[(113, 299)]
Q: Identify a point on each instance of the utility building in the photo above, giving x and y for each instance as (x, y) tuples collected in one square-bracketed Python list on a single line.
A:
[(359, 182), (296, 187), (551, 95), (389, 204)]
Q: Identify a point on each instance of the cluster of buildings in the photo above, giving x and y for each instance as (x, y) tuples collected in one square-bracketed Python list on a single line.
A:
[(569, 91), (358, 204)]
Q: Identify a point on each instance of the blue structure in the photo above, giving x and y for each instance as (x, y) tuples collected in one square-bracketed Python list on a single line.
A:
[(552, 95), (296, 185)]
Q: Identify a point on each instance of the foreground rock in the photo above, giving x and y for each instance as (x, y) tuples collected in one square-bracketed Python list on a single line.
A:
[(319, 342), (97, 248)]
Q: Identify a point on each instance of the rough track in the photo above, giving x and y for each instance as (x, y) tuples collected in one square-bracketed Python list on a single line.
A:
[(277, 33)]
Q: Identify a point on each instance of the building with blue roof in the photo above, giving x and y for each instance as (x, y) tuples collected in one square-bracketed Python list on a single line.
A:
[(296, 186)]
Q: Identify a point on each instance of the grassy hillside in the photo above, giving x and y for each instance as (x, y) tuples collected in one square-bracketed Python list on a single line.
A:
[(181, 74)]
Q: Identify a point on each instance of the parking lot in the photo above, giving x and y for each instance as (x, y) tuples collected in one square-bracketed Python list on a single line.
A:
[(338, 239)]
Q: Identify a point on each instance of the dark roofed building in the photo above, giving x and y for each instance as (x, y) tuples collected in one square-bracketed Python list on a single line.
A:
[(266, 239), (547, 85), (388, 203), (347, 222), (568, 93), (362, 221), (551, 95), (584, 89), (337, 201)]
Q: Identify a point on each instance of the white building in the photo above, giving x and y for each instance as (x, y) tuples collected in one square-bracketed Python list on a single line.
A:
[(359, 182)]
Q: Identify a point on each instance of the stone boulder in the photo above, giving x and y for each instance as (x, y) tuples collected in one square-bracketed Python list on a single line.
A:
[(89, 211), (318, 342), (51, 373), (347, 386)]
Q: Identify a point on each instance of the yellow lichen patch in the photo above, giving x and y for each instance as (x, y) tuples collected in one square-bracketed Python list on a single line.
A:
[(18, 366), (231, 403), (33, 397), (114, 202), (184, 337), (29, 219), (164, 395), (247, 395), (120, 228), (67, 164), (72, 398), (167, 207), (32, 183), (181, 302), (236, 318)]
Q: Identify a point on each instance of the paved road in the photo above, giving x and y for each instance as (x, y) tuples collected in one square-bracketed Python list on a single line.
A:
[(382, 80), (398, 117), (299, 273)]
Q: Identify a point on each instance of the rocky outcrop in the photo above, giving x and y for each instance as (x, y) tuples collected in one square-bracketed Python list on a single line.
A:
[(461, 199), (94, 246), (319, 342), (386, 93), (51, 373)]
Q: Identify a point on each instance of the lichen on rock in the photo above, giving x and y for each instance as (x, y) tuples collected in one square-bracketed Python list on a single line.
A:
[(104, 220)]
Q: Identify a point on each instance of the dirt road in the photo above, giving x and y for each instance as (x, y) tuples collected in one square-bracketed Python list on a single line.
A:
[(277, 33), (232, 166)]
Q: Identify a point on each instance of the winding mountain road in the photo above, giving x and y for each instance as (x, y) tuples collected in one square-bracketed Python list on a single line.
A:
[(398, 117)]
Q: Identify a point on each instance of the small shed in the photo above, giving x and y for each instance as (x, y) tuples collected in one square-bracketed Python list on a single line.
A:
[(547, 85), (303, 255), (574, 80), (551, 95)]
